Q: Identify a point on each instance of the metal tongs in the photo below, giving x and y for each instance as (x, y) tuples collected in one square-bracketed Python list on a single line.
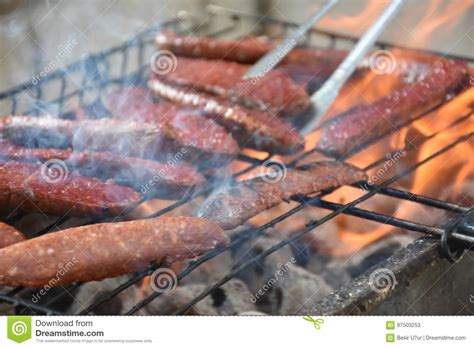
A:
[(323, 98)]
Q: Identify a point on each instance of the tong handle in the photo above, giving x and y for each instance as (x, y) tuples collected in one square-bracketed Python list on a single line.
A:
[(323, 98)]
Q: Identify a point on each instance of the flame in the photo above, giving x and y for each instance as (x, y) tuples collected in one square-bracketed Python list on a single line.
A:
[(447, 177), (438, 18), (354, 22)]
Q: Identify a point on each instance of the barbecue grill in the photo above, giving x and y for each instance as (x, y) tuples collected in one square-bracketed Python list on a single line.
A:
[(129, 64)]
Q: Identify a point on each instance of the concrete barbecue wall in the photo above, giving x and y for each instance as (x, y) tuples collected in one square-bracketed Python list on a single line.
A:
[(34, 33)]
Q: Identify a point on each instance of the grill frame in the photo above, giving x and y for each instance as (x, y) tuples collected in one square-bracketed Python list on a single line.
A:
[(97, 77)]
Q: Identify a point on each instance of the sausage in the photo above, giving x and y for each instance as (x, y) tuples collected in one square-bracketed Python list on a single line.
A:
[(137, 139), (155, 179), (136, 103), (363, 124), (9, 235), (307, 67), (54, 190), (250, 127), (236, 204), (275, 92), (247, 51), (106, 250)]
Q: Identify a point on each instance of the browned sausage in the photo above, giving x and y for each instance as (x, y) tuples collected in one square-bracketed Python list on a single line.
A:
[(247, 50), (9, 235), (170, 179), (308, 67), (275, 92), (137, 104), (363, 124), (123, 137), (55, 190), (106, 250), (250, 127), (233, 206)]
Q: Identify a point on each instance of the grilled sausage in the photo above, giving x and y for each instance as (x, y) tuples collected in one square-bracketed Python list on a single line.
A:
[(250, 127), (55, 190), (237, 204), (155, 179), (275, 92), (363, 124), (9, 235), (247, 50), (106, 250), (122, 137), (135, 103)]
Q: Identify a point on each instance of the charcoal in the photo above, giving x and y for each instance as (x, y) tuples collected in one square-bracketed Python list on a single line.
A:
[(278, 284), (377, 252), (231, 298), (333, 271), (251, 314), (211, 270), (262, 270), (300, 289), (91, 292)]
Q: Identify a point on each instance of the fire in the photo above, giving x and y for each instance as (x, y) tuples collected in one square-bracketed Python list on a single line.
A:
[(355, 21), (446, 177)]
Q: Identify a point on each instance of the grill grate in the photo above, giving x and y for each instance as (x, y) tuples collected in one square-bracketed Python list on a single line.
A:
[(96, 73)]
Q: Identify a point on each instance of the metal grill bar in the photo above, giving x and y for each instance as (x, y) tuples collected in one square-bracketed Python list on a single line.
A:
[(143, 39), (311, 226), (27, 304), (315, 201)]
